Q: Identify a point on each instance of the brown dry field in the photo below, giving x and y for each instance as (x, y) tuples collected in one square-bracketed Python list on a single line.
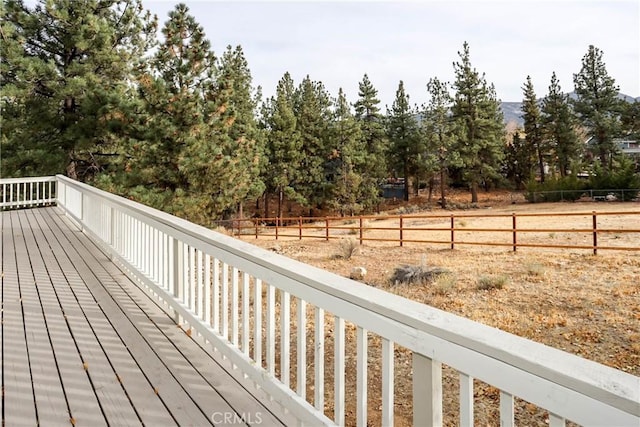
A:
[(570, 299)]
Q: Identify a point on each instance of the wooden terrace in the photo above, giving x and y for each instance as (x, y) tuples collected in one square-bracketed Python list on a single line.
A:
[(82, 345)]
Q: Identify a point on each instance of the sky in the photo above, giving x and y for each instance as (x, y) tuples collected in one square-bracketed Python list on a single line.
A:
[(337, 42)]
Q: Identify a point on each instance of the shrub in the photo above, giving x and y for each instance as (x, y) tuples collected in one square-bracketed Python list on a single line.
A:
[(492, 282), (347, 248), (555, 190)]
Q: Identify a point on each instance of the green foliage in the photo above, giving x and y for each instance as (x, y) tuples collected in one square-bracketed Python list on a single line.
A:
[(597, 104), (622, 177), (65, 83), (517, 162), (479, 125), (568, 188), (533, 147), (559, 128), (437, 130), (407, 151)]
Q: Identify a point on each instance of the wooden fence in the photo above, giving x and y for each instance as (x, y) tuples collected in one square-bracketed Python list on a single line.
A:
[(451, 229)]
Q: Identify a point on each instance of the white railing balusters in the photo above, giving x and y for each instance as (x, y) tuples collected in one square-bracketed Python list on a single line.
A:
[(181, 263), (466, 400), (234, 307), (556, 421), (387, 382), (216, 295), (301, 348), (362, 347), (285, 336), (271, 329), (225, 300), (257, 323), (318, 360), (506, 410), (338, 373), (246, 314)]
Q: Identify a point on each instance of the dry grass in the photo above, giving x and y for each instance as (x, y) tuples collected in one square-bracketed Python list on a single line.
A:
[(568, 299)]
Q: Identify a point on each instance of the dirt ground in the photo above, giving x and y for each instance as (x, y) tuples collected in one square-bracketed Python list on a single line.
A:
[(586, 304)]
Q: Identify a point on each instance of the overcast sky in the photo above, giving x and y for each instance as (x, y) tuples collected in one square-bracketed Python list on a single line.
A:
[(338, 42)]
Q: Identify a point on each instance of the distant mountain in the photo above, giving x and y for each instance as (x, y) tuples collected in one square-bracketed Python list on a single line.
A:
[(512, 111)]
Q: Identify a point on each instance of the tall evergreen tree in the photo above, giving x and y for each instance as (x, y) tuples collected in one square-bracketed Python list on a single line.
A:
[(559, 128), (283, 145), (597, 105), (191, 158), (438, 129), (404, 137), (367, 113), (517, 162), (247, 146), (479, 125), (534, 141), (66, 69), (347, 162), (313, 117)]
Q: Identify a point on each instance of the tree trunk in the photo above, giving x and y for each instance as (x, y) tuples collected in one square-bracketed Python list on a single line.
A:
[(443, 200), (406, 184), (474, 192), (540, 162), (266, 204)]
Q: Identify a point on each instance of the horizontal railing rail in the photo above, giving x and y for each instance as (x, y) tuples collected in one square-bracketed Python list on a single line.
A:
[(19, 193), (270, 315), (449, 229)]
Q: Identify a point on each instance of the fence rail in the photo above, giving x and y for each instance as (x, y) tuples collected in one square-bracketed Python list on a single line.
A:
[(448, 229), (18, 193), (249, 303)]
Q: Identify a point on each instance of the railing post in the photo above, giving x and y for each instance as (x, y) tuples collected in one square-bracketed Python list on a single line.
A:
[(360, 230), (326, 228), (595, 234), (427, 391), (515, 240), (401, 231), (452, 230)]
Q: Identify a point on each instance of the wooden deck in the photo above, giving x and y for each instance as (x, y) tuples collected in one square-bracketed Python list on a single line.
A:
[(82, 345)]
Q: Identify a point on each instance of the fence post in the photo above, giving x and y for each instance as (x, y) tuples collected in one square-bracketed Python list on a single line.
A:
[(360, 230), (300, 227), (452, 230), (595, 234), (326, 228), (256, 224), (401, 236), (515, 240), (277, 220)]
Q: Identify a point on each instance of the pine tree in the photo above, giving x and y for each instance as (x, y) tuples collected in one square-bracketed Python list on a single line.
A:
[(66, 73), (479, 125), (597, 104), (348, 162), (313, 117), (247, 145), (283, 145), (517, 164), (559, 128), (534, 141), (367, 113), (437, 128), (404, 137)]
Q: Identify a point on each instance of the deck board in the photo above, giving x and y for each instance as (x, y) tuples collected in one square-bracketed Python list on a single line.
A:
[(93, 347)]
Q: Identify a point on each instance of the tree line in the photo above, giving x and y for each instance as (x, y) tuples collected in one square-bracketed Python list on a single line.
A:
[(90, 90)]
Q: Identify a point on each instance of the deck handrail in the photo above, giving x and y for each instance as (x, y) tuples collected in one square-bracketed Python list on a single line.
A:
[(27, 192), (175, 259)]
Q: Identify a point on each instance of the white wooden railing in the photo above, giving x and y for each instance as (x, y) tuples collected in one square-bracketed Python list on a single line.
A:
[(241, 299), (27, 192)]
